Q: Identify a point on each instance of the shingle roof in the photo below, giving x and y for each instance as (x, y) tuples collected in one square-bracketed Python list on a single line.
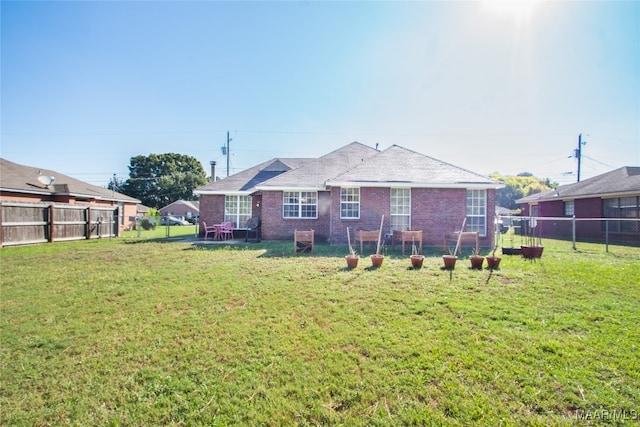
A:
[(397, 165), (24, 179), (624, 180), (316, 172), (247, 180), (353, 164)]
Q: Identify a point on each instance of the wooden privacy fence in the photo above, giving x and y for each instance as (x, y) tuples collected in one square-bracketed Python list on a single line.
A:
[(26, 223)]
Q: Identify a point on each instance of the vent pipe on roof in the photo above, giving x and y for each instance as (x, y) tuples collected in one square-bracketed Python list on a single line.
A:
[(213, 170)]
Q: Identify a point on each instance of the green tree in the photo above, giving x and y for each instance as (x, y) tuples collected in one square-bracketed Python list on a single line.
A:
[(519, 186), (160, 179)]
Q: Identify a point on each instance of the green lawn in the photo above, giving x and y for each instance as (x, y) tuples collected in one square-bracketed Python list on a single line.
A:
[(135, 331)]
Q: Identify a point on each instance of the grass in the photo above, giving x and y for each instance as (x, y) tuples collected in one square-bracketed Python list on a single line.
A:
[(167, 332)]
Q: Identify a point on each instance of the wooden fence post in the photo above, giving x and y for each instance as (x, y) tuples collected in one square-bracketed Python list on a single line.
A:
[(50, 222)]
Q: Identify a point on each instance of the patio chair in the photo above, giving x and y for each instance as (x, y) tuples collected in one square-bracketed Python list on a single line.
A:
[(253, 229), (302, 241), (208, 229), (226, 232)]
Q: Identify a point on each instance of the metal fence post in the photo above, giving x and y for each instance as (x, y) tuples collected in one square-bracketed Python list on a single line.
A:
[(606, 235), (573, 232)]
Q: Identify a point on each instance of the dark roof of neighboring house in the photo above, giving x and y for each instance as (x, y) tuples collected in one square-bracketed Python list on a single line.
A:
[(398, 165), (618, 182), (354, 164), (18, 178)]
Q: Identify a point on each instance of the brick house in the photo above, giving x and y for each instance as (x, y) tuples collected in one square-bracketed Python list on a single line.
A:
[(186, 209), (615, 194), (26, 184), (353, 187)]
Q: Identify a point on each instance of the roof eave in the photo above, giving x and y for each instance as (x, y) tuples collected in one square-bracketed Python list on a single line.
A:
[(472, 185), (224, 192)]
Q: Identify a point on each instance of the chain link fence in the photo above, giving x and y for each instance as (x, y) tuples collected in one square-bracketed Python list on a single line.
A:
[(519, 231)]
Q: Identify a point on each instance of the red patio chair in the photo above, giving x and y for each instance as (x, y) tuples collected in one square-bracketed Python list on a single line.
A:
[(226, 232)]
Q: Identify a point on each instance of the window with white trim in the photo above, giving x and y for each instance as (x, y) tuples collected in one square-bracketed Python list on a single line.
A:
[(477, 211), (400, 209), (237, 209), (300, 204), (349, 203), (569, 208)]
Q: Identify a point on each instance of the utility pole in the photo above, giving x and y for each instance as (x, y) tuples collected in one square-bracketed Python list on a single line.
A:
[(229, 140), (578, 153)]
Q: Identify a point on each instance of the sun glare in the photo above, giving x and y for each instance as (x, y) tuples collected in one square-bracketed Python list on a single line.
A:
[(512, 10)]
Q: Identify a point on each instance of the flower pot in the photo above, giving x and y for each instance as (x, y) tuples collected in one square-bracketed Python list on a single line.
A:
[(376, 260), (352, 261), (476, 261), (493, 262), (416, 261), (449, 261), (531, 252)]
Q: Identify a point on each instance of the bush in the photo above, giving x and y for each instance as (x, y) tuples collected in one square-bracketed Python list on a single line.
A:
[(147, 225)]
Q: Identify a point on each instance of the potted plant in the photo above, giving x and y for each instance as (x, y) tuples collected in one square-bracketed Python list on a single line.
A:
[(534, 247), (476, 260), (449, 260), (416, 258), (377, 258), (352, 258), (493, 261)]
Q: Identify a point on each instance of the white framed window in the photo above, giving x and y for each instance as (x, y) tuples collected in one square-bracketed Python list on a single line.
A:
[(400, 209), (477, 211), (569, 208), (237, 209), (300, 204), (349, 203)]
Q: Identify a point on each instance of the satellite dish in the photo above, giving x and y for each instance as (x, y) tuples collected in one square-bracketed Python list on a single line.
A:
[(46, 180)]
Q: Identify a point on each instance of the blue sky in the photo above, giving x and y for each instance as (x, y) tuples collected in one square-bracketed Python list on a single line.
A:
[(488, 86)]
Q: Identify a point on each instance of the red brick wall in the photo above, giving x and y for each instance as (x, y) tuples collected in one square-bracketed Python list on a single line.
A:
[(275, 227), (435, 211), (211, 209)]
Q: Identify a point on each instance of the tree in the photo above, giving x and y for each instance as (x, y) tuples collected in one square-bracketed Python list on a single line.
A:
[(116, 184), (519, 186), (160, 179)]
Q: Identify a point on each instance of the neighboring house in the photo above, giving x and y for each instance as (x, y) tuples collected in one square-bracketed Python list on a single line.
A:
[(353, 187), (615, 194), (182, 208), (19, 183)]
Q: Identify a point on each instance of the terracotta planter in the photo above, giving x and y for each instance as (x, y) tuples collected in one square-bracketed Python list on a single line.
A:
[(531, 252), (416, 261), (376, 260), (352, 261), (449, 261), (493, 262), (476, 262)]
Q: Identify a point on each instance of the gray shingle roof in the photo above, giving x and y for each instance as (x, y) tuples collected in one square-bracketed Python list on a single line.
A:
[(398, 165), (247, 180), (316, 172), (24, 179), (353, 164), (624, 180)]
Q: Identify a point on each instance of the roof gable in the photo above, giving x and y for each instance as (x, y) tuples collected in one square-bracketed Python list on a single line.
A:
[(316, 172), (247, 180)]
